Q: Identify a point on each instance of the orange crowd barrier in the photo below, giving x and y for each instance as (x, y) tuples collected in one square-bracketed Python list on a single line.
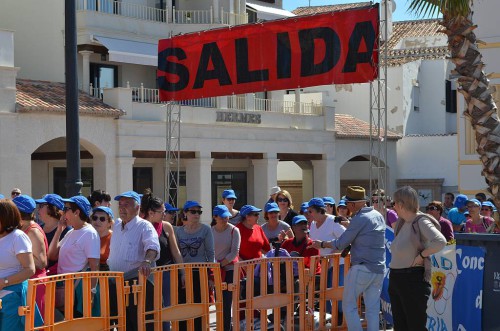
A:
[(195, 303), (273, 288), (275, 291), (70, 303)]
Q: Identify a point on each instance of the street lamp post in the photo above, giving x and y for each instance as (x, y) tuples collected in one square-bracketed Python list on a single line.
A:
[(73, 180)]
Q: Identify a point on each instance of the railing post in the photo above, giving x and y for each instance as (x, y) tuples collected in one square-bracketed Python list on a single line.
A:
[(84, 5), (222, 15), (128, 84), (250, 102), (211, 15), (91, 90), (98, 5), (173, 14), (141, 93)]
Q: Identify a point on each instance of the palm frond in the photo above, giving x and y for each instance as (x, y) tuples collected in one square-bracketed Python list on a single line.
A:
[(432, 8)]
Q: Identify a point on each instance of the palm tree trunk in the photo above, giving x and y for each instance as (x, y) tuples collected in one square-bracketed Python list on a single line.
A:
[(474, 86)]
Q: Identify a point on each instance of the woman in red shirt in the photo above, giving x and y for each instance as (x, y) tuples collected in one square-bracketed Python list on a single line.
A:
[(253, 240)]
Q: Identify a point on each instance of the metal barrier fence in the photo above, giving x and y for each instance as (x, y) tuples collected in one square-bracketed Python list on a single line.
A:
[(268, 293)]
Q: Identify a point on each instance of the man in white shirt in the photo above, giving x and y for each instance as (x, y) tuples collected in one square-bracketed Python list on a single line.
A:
[(134, 247)]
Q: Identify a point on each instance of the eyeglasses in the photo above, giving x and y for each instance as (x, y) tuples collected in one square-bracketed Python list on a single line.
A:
[(282, 199), (100, 218), (158, 211), (431, 208), (194, 212), (172, 212)]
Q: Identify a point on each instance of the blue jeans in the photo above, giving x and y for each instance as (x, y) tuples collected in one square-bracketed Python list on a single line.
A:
[(361, 280)]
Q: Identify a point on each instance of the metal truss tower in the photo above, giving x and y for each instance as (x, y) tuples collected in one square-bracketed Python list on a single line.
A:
[(173, 150), (378, 110)]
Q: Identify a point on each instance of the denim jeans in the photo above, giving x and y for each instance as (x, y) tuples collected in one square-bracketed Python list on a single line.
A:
[(360, 280)]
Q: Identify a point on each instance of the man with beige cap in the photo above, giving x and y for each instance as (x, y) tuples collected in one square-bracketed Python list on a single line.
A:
[(366, 234)]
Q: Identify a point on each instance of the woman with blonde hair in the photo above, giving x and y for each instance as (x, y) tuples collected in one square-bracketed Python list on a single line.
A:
[(285, 204), (417, 237)]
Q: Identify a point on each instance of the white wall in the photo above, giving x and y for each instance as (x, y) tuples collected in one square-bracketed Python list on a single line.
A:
[(39, 39), (428, 157)]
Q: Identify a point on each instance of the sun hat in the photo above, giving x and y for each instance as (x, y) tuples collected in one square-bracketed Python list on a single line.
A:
[(329, 200), (169, 207), (271, 206), (52, 199), (228, 194), (355, 193), (129, 194), (299, 219), (25, 203), (221, 211), (304, 206), (82, 203), (191, 204), (318, 202), (460, 201), (107, 210), (274, 190), (247, 209)]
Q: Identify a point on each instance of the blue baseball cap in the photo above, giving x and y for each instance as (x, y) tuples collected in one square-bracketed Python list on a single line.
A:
[(25, 203), (169, 207), (52, 199), (329, 200), (304, 206), (271, 206), (228, 194), (316, 202), (2, 196), (107, 210), (342, 203), (299, 219), (460, 201), (247, 209), (222, 211), (82, 203), (489, 204), (129, 194), (191, 204), (475, 201)]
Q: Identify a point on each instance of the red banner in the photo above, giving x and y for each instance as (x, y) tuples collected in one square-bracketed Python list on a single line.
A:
[(331, 48)]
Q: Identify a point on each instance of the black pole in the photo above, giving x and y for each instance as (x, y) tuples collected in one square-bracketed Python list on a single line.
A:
[(73, 180)]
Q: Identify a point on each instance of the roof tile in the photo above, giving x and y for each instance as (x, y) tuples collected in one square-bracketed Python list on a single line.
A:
[(44, 96), (348, 126)]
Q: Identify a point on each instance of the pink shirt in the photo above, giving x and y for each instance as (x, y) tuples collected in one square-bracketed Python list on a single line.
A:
[(478, 228)]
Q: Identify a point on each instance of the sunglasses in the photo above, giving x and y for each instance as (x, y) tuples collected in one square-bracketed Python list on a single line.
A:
[(231, 199), (100, 218), (254, 214), (375, 201), (15, 193), (431, 208), (282, 199), (194, 212)]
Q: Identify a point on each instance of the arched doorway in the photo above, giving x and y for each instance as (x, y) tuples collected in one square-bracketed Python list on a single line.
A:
[(48, 167), (356, 171)]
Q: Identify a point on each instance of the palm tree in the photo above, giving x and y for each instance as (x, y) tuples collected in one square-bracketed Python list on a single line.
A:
[(473, 83)]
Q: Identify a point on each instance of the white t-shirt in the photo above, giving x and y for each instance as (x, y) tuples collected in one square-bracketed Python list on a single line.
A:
[(16, 242), (328, 231), (76, 248)]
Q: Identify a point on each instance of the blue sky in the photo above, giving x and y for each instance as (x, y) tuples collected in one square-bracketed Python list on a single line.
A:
[(399, 15)]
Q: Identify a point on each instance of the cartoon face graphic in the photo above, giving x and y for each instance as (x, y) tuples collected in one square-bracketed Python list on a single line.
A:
[(438, 282)]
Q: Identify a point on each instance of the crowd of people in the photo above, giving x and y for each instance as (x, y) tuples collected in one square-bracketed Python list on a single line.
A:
[(53, 235)]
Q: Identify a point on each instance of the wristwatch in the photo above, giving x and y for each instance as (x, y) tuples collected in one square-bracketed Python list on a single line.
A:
[(147, 261), (322, 244)]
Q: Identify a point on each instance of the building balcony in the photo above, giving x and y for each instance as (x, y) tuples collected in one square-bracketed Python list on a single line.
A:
[(247, 102), (90, 11)]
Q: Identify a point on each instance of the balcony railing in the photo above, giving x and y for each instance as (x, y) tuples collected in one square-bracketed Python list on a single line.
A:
[(234, 102), (140, 12)]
